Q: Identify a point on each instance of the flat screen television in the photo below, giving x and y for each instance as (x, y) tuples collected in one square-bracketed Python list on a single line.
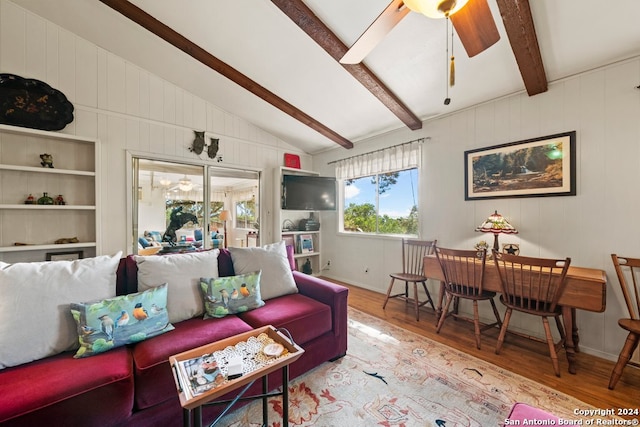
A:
[(308, 193)]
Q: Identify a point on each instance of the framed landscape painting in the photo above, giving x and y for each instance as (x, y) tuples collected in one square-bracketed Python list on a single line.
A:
[(538, 167)]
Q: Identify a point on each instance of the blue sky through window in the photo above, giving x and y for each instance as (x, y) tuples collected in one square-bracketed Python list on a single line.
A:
[(396, 201)]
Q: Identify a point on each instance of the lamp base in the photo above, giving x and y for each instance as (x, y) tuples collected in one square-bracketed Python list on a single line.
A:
[(496, 246)]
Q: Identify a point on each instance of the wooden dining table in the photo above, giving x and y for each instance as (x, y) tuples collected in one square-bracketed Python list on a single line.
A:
[(585, 290)]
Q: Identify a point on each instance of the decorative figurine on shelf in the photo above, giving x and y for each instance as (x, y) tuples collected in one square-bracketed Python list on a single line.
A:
[(30, 200), (45, 199), (306, 267), (47, 160), (59, 200), (66, 240)]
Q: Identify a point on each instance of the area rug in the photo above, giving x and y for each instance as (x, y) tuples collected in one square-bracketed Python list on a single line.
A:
[(393, 377)]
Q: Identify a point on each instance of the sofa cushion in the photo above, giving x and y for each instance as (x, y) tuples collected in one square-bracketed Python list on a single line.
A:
[(276, 279), (230, 295), (52, 388), (34, 302), (303, 317), (107, 324), (182, 272), (154, 378)]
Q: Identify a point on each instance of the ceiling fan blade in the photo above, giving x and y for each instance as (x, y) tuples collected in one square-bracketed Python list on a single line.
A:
[(376, 32), (475, 27)]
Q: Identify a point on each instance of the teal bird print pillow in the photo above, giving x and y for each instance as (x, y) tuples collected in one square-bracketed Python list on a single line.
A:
[(114, 322), (231, 294)]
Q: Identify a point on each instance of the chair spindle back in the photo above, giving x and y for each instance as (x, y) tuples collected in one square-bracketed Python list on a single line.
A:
[(413, 253), (627, 270), (531, 284), (463, 270)]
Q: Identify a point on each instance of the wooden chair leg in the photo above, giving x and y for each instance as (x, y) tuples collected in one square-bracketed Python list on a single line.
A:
[(476, 323), (429, 300), (444, 313), (503, 330), (496, 313), (388, 293), (415, 300), (561, 331), (629, 347), (552, 346)]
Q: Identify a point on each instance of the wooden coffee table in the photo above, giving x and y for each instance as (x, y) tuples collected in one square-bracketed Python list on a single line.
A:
[(256, 364)]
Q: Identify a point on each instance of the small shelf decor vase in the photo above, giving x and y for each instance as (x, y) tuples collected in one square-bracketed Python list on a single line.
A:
[(45, 199)]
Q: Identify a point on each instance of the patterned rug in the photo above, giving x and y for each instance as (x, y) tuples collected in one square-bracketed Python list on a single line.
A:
[(393, 377)]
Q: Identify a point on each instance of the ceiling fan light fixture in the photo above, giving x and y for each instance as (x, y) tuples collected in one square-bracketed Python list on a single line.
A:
[(185, 184), (435, 8)]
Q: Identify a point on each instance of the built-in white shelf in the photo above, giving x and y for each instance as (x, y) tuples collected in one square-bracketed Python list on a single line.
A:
[(75, 175), (306, 254), (296, 232), (24, 248), (54, 207), (19, 168)]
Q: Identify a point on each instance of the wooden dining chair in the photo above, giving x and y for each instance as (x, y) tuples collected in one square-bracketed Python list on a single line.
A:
[(627, 268), (463, 272), (413, 253), (533, 286)]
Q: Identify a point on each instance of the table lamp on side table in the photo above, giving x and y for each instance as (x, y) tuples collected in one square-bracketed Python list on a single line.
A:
[(496, 224), (225, 216)]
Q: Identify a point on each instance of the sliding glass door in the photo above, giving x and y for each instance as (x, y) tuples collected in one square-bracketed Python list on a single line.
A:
[(182, 207)]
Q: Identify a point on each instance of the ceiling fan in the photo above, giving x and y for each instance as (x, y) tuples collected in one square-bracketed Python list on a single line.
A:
[(471, 19)]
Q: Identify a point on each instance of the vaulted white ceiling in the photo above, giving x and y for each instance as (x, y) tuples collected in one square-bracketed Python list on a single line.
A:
[(258, 40)]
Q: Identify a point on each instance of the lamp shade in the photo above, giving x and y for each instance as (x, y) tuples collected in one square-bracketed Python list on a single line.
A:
[(225, 215), (435, 8), (496, 224)]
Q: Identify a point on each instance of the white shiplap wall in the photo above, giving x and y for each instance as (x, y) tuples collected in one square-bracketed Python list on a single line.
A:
[(603, 106), (128, 108)]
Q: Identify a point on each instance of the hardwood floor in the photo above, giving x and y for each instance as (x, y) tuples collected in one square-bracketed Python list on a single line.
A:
[(524, 357)]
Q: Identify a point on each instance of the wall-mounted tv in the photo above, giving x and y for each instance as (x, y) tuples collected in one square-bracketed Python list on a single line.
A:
[(308, 193)]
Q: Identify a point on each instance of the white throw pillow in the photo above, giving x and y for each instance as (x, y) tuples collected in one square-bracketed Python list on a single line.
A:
[(182, 272), (277, 278), (35, 321)]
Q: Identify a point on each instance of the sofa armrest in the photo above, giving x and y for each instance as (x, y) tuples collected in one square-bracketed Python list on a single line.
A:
[(332, 294)]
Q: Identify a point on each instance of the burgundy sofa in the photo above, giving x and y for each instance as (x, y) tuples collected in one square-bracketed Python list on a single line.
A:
[(134, 385)]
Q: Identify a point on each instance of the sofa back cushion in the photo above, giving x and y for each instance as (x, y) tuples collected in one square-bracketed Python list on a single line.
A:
[(272, 260), (182, 273), (34, 303)]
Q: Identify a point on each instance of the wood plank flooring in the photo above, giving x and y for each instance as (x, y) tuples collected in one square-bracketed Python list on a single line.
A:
[(524, 357)]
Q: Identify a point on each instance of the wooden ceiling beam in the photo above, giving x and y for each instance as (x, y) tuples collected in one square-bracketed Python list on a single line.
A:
[(161, 30), (518, 22), (304, 18)]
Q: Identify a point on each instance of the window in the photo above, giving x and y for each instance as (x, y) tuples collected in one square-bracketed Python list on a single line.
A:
[(382, 204), (246, 214), (380, 190)]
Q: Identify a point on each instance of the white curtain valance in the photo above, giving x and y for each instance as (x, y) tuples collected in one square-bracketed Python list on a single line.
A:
[(398, 157), (245, 194), (217, 196)]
